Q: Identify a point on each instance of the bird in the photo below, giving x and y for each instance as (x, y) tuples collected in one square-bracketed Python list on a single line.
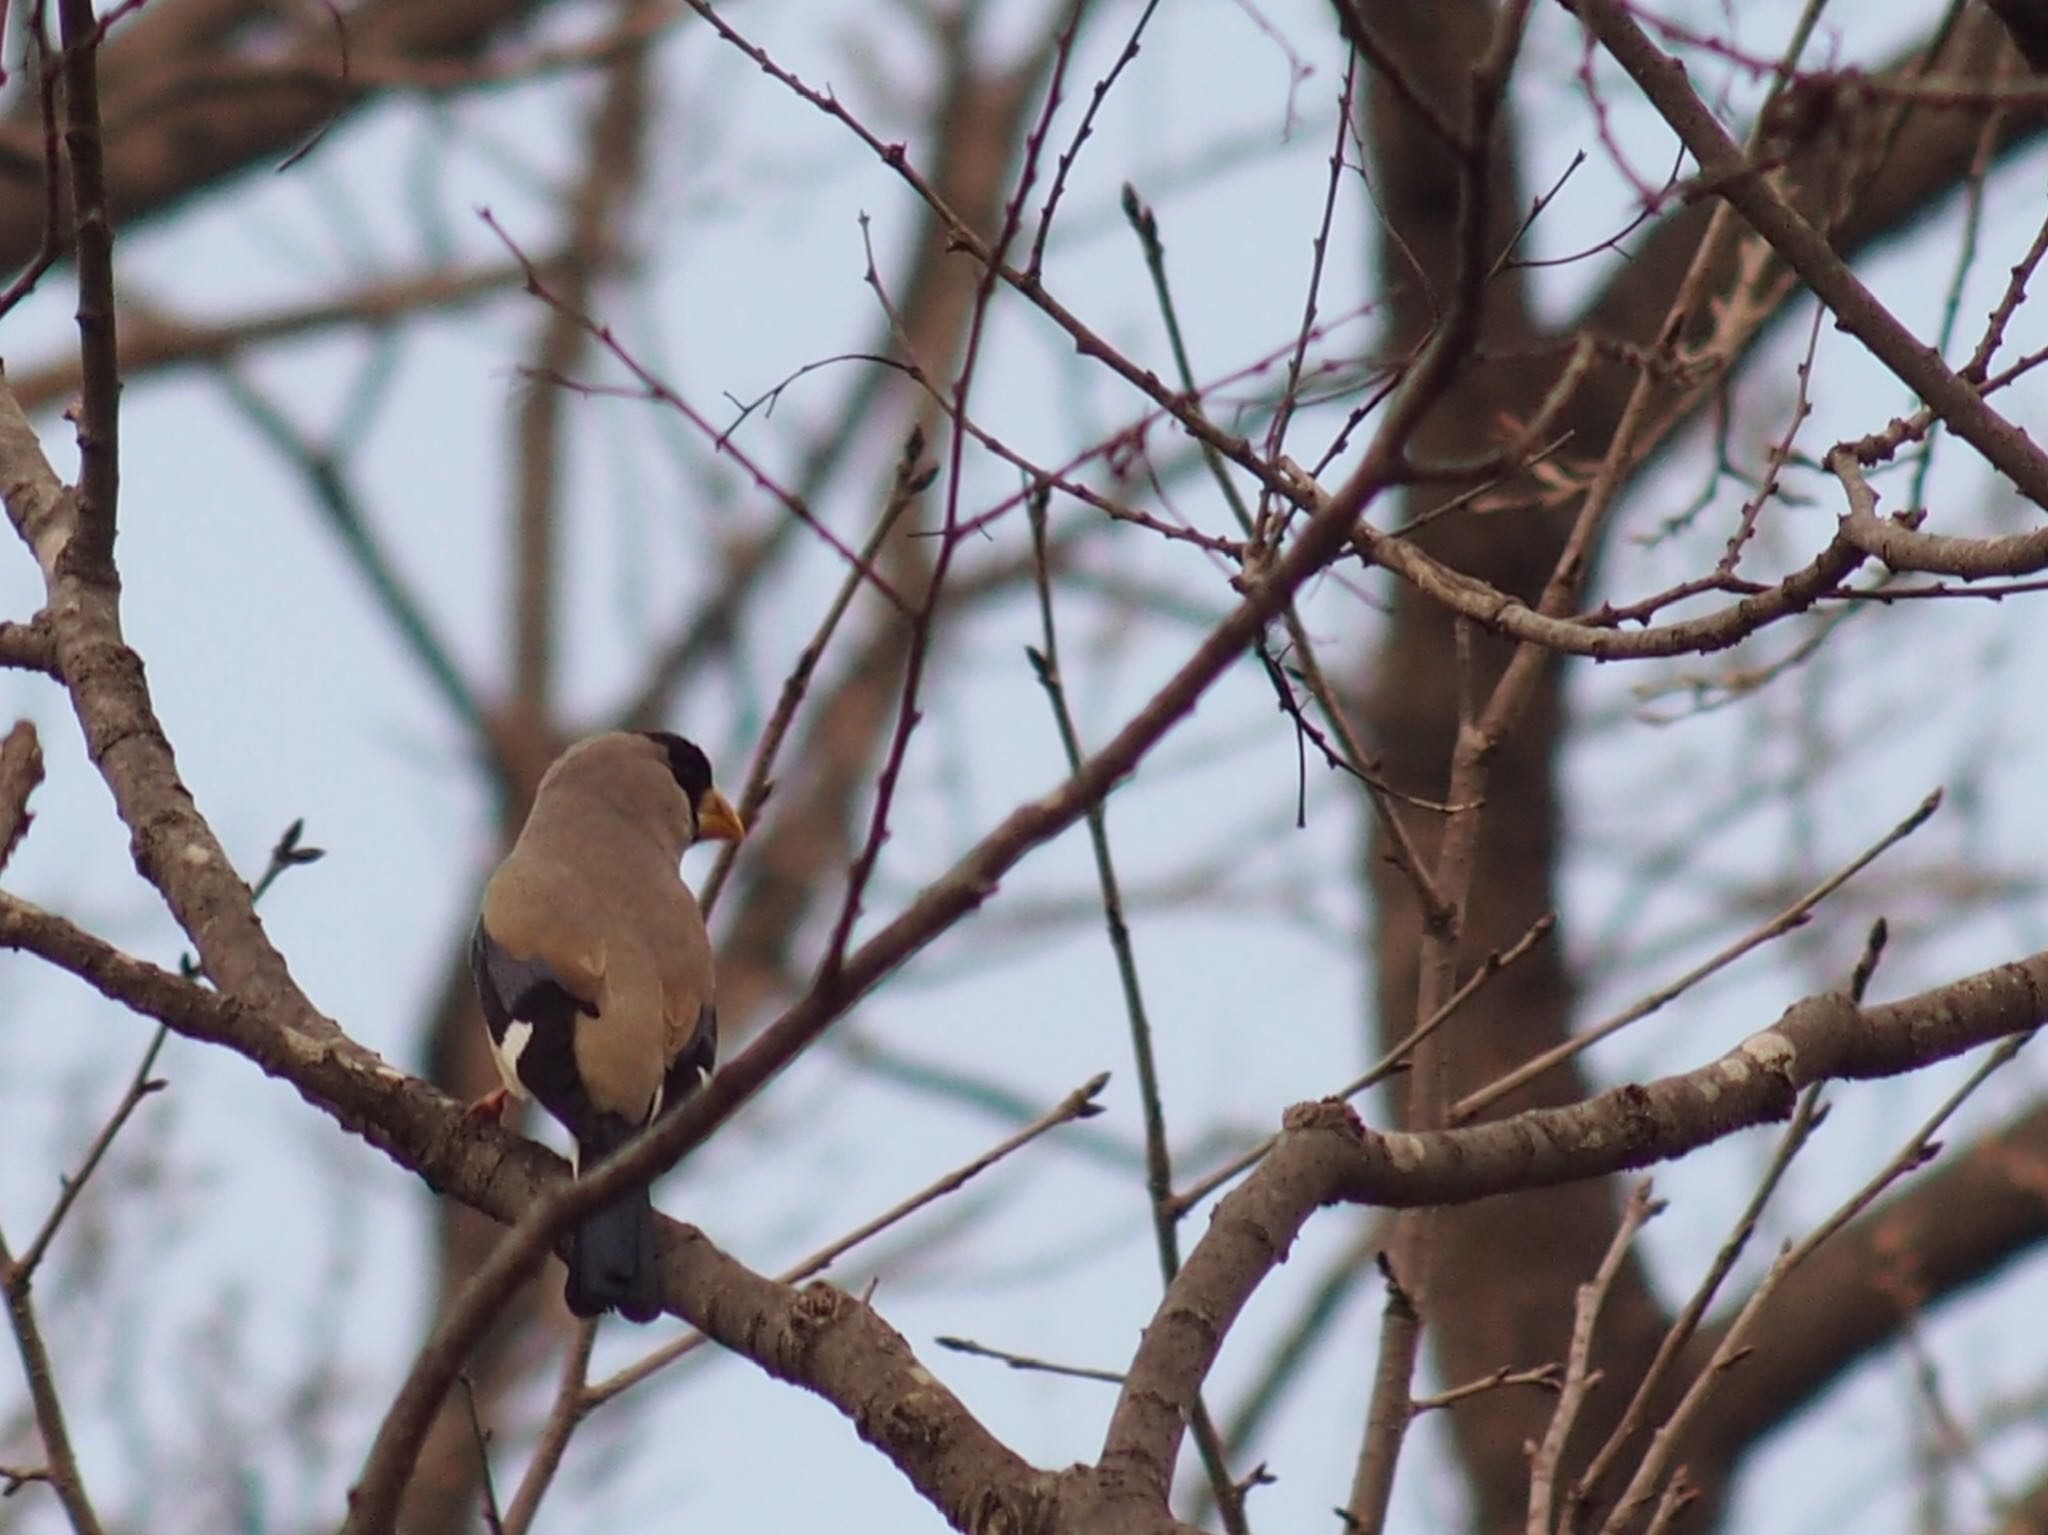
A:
[(594, 969)]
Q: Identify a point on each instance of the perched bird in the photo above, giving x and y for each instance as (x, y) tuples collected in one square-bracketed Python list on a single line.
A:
[(594, 969)]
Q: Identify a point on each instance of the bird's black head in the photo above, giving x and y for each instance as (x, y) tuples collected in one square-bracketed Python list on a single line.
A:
[(686, 762)]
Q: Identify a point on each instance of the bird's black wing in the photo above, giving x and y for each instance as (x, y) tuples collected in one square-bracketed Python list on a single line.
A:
[(532, 1018)]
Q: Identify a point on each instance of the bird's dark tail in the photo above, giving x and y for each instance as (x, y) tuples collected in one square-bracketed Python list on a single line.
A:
[(611, 1253)]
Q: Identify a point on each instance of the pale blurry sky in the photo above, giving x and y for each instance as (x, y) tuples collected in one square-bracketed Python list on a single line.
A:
[(286, 696)]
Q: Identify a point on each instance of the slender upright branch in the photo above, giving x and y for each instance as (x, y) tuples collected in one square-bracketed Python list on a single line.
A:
[(1158, 1155), (99, 438), (60, 1469)]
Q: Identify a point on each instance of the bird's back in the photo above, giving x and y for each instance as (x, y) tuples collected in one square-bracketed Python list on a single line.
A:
[(606, 904)]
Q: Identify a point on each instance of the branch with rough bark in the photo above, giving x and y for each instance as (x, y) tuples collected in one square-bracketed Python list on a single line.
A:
[(839, 1348), (1469, 588)]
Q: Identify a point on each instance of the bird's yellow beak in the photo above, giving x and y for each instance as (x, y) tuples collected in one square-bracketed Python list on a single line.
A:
[(717, 821)]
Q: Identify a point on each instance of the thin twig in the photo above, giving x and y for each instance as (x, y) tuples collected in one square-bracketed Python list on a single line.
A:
[(1262, 537), (1679, 1494), (1387, 1064), (1915, 1153), (1806, 1119), (1319, 246), (655, 389), (1953, 1444), (568, 1411), (1035, 264), (1731, 174), (913, 476), (1579, 1375), (51, 245), (494, 1523), (140, 1086), (288, 852), (60, 1462), (1027, 1361), (1546, 1377), (1791, 917)]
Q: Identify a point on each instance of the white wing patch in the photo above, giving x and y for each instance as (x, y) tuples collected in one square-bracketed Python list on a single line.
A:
[(506, 1052)]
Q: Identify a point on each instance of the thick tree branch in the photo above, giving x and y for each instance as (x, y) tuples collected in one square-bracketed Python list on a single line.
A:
[(1898, 542), (28, 646), (1326, 1156), (814, 1337), (21, 769), (174, 847), (832, 1345)]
